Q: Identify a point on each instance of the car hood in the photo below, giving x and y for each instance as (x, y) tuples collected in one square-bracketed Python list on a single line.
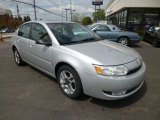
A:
[(106, 52)]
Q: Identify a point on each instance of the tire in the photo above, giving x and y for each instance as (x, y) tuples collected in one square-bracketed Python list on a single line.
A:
[(69, 82), (124, 41), (155, 42), (143, 37), (17, 58)]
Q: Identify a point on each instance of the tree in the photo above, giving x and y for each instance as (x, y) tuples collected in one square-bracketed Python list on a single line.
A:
[(25, 19), (86, 21), (99, 15), (28, 18)]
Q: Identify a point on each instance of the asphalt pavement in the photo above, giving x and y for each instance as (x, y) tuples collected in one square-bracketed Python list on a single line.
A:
[(28, 94)]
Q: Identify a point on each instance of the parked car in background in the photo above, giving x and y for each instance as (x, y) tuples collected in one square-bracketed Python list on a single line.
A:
[(7, 30), (114, 33), (79, 59), (152, 35)]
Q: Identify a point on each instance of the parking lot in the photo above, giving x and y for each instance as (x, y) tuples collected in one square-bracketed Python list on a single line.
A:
[(28, 94)]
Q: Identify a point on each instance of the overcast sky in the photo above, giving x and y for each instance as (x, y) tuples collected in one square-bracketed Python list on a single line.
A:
[(82, 7)]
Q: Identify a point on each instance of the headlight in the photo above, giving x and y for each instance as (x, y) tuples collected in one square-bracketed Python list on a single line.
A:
[(111, 70)]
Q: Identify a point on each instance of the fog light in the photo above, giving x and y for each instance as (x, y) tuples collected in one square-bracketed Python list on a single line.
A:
[(119, 93)]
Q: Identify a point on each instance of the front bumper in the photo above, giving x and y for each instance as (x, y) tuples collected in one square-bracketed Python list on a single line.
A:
[(105, 87)]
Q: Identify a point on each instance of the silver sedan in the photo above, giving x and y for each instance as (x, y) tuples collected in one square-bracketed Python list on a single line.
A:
[(80, 60)]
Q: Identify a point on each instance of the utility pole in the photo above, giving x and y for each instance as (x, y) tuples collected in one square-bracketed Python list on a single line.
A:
[(34, 9), (66, 9), (18, 11), (62, 10), (71, 9)]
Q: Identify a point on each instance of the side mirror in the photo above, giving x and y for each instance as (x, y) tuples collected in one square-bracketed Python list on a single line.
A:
[(20, 33), (95, 30), (44, 42), (151, 30)]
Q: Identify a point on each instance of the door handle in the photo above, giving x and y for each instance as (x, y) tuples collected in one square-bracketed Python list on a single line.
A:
[(18, 41), (30, 45)]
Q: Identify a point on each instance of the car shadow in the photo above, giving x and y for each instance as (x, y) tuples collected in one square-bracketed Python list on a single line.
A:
[(123, 102), (105, 103), (44, 74), (135, 46)]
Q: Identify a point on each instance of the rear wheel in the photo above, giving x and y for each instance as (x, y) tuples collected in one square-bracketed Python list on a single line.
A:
[(155, 42), (124, 41), (69, 82), (17, 58)]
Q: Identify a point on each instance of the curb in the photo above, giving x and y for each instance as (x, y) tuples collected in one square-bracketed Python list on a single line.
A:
[(6, 36)]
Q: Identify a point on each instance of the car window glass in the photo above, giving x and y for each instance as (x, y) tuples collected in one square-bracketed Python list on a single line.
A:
[(72, 33), (102, 28), (38, 32), (79, 31), (24, 31)]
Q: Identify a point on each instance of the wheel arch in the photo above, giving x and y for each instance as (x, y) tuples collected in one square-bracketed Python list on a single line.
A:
[(122, 37), (58, 65), (13, 48)]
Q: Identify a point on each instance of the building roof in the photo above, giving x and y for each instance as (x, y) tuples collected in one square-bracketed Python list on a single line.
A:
[(4, 11)]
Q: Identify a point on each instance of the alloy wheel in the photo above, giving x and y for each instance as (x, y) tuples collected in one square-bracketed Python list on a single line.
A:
[(124, 41), (67, 82), (17, 57)]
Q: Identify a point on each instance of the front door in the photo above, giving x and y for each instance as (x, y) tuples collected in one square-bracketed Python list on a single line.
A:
[(103, 31), (39, 55)]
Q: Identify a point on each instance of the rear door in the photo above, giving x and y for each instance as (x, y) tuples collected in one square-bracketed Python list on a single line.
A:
[(23, 39), (39, 54)]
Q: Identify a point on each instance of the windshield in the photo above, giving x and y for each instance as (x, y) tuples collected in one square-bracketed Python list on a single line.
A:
[(92, 26), (72, 33)]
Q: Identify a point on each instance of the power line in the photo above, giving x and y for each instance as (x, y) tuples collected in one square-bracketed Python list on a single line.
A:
[(38, 7), (53, 3)]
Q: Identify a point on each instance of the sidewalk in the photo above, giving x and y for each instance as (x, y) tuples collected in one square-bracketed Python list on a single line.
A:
[(6, 35)]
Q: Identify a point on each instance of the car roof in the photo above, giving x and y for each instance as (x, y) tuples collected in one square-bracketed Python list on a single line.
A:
[(46, 22), (111, 26)]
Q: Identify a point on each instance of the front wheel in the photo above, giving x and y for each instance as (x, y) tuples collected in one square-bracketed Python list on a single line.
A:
[(124, 41), (69, 82), (17, 58)]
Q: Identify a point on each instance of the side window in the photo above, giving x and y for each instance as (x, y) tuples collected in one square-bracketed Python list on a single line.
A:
[(38, 32), (102, 28), (24, 30)]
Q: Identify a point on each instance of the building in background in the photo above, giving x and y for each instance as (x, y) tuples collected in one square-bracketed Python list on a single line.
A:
[(5, 16), (133, 15)]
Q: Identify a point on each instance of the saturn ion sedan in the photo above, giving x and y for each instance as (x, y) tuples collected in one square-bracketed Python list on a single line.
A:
[(81, 61)]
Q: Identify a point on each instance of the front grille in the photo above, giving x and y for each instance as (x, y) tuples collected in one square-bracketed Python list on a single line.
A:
[(134, 70)]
